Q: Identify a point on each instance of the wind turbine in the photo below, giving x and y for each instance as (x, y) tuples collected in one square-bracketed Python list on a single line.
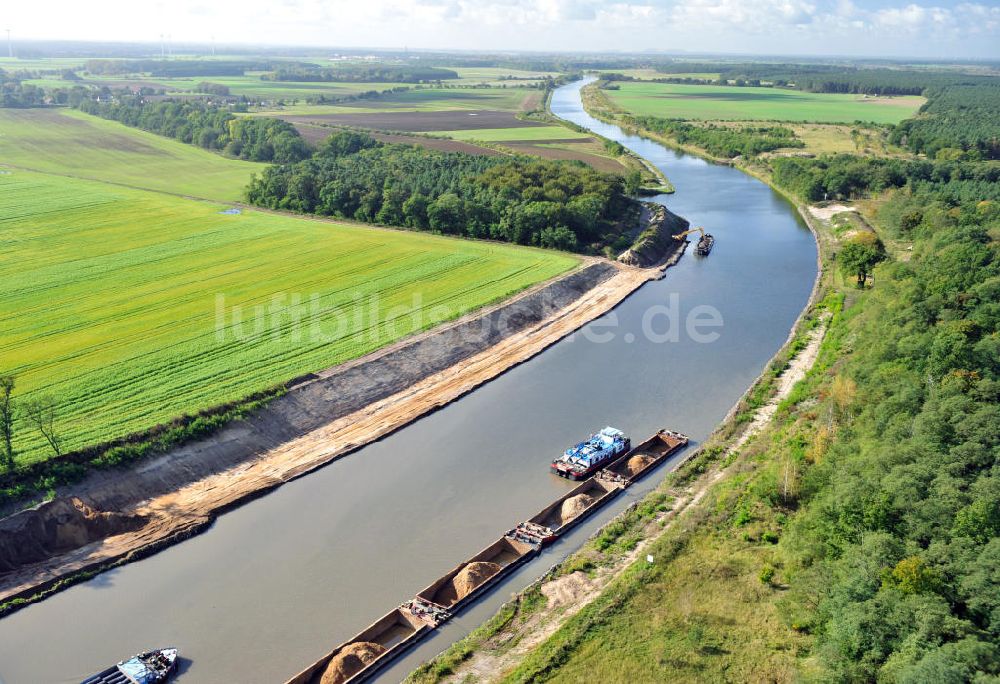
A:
[(10, 46)]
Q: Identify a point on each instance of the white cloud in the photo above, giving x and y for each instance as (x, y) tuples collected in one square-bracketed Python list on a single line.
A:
[(910, 27)]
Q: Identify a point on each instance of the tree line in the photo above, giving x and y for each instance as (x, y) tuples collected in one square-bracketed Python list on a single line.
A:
[(361, 73), (719, 141), (14, 92), (261, 139), (829, 78), (562, 205), (846, 176), (173, 68)]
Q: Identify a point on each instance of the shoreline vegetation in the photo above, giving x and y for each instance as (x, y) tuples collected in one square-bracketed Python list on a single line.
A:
[(820, 546)]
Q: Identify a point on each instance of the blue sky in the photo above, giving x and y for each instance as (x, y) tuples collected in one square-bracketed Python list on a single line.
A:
[(935, 29)]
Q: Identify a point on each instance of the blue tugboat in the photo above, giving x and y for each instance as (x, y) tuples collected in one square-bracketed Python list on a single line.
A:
[(582, 460), (151, 667)]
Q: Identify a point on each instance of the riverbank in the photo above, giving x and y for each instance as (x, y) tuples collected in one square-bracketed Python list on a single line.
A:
[(605, 570), (323, 418)]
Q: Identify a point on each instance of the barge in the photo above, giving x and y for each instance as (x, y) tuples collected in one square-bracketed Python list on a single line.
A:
[(584, 459), (150, 667), (473, 577), (705, 245), (372, 649), (644, 458), (570, 509)]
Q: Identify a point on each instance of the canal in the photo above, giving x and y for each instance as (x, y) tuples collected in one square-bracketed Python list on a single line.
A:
[(281, 580)]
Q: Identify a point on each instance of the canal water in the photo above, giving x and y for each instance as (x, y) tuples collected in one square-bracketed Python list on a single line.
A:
[(278, 582)]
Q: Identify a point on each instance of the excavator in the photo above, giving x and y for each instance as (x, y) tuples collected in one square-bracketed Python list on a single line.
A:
[(705, 242)]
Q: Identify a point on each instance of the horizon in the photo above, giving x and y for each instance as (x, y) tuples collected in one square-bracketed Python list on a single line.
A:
[(873, 29), (197, 48)]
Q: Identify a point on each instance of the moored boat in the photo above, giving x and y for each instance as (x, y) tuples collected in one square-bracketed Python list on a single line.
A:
[(705, 245), (151, 667), (582, 460)]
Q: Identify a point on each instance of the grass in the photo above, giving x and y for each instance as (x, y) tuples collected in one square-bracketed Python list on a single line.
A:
[(519, 133), (732, 103), (695, 615), (69, 142), (109, 296)]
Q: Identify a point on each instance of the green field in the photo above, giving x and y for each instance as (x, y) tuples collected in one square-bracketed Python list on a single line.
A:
[(69, 142), (429, 100), (460, 94), (108, 297), (747, 104), (520, 133)]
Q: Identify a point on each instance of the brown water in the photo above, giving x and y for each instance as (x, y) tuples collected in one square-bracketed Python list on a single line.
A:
[(276, 583)]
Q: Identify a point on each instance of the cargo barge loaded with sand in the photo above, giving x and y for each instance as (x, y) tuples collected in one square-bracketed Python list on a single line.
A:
[(368, 652)]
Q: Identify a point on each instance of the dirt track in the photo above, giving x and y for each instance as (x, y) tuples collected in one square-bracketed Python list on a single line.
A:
[(313, 425)]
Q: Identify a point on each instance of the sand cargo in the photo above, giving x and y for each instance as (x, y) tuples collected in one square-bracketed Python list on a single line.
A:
[(361, 657), (644, 458), (476, 575), (570, 509)]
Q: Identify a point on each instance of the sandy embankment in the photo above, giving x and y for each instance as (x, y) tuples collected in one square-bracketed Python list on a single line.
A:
[(297, 434)]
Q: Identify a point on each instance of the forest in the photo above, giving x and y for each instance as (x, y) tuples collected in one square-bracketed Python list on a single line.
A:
[(955, 119), (847, 176), (353, 73), (829, 78), (562, 205), (893, 554), (214, 128)]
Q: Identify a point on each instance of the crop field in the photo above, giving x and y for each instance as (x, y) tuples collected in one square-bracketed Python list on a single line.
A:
[(651, 74), (73, 143), (589, 151), (532, 133), (462, 126), (423, 122), (430, 99), (317, 134), (119, 302), (499, 75), (745, 104)]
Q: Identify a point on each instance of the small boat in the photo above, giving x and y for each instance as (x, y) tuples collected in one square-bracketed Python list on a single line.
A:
[(151, 667), (583, 459), (705, 245)]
